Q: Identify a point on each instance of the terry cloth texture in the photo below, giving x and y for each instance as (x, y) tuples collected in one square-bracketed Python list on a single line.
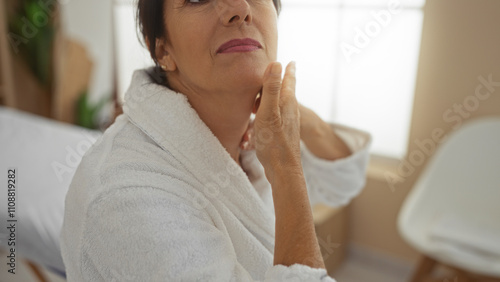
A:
[(158, 198)]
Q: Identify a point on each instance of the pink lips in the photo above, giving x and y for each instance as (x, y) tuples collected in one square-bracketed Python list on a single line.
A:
[(239, 45)]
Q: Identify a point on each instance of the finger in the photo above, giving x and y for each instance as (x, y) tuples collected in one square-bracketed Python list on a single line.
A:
[(269, 101), (288, 90), (256, 104), (250, 145), (247, 136), (247, 143), (289, 80), (248, 132), (251, 139)]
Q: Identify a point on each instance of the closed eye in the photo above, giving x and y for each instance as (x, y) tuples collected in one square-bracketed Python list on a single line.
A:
[(195, 2)]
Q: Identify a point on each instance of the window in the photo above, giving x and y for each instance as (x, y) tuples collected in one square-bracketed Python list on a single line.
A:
[(356, 63), (131, 54)]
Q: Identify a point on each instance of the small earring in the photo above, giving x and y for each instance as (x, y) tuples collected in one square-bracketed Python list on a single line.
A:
[(163, 67)]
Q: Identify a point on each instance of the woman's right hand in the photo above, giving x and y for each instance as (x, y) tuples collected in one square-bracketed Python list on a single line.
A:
[(276, 128)]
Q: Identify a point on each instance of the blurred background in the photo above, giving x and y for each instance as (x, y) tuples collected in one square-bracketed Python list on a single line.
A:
[(416, 74)]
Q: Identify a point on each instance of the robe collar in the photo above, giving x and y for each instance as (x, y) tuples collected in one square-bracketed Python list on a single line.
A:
[(168, 118)]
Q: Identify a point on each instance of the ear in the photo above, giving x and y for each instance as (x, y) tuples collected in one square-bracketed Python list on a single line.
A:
[(164, 55)]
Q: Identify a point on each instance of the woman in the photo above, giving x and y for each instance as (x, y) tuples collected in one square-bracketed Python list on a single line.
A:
[(183, 186)]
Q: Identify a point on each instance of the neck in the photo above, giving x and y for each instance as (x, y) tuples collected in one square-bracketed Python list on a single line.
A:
[(226, 113)]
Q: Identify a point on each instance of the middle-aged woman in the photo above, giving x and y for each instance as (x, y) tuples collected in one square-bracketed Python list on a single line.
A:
[(184, 186)]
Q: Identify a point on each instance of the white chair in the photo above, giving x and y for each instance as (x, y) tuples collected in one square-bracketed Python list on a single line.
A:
[(452, 214), (45, 154)]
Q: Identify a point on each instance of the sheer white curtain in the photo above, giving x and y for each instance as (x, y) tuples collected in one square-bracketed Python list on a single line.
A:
[(356, 61)]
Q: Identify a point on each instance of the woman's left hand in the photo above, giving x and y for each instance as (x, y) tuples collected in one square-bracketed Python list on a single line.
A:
[(318, 136), (307, 120)]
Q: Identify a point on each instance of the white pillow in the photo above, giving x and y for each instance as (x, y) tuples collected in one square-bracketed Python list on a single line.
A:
[(45, 154)]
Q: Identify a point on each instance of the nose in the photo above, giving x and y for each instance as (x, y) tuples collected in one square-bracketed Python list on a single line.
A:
[(233, 12)]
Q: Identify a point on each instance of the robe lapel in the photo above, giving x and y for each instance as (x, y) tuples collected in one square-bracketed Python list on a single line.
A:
[(168, 118)]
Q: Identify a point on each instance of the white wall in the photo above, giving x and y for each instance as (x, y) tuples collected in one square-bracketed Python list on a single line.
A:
[(130, 52), (90, 22)]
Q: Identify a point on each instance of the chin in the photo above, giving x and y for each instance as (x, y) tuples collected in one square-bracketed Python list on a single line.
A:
[(247, 75)]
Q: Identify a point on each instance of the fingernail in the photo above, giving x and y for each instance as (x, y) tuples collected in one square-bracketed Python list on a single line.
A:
[(293, 66), (245, 145), (276, 69)]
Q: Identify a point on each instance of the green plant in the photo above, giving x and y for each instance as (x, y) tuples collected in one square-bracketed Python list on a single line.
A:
[(86, 113), (34, 30)]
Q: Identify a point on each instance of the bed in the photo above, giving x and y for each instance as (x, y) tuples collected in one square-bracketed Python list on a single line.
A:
[(41, 155)]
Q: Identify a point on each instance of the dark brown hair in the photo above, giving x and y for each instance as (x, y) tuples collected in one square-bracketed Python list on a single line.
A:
[(150, 22)]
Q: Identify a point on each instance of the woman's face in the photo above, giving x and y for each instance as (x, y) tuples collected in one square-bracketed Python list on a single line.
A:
[(196, 29)]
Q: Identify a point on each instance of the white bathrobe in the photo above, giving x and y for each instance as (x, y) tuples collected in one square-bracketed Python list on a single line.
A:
[(158, 198)]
